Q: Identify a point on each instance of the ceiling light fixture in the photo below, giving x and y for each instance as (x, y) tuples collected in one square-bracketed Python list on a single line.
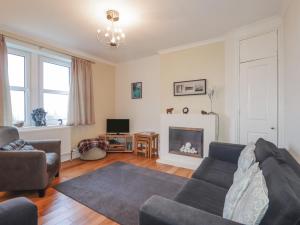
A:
[(112, 35)]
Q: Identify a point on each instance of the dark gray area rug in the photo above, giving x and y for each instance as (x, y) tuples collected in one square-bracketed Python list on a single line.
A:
[(118, 190)]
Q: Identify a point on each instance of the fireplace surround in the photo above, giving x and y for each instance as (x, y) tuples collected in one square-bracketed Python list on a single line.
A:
[(195, 121)]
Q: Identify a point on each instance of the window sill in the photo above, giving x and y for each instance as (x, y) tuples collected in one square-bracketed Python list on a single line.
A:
[(50, 127)]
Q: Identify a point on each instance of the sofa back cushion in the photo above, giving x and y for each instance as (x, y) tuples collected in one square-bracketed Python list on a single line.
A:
[(284, 193), (285, 157), (7, 135), (264, 149)]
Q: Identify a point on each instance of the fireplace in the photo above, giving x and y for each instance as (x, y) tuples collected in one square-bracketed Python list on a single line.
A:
[(186, 141)]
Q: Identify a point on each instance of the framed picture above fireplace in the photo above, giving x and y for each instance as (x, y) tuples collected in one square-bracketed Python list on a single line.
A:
[(191, 87)]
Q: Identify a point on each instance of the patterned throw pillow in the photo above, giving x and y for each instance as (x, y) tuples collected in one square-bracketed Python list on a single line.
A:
[(236, 191), (254, 203), (246, 160), (17, 145)]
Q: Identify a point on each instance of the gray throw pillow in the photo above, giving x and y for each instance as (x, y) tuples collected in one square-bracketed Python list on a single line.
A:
[(265, 149)]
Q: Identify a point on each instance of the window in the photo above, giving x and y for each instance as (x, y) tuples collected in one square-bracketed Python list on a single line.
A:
[(38, 81), (18, 80), (55, 79)]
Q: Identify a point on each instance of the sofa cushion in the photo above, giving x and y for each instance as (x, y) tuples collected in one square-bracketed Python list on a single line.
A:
[(52, 160), (203, 195), (216, 172), (284, 193), (264, 149)]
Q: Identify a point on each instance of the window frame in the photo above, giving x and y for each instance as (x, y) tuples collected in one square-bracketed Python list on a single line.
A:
[(26, 88), (42, 90)]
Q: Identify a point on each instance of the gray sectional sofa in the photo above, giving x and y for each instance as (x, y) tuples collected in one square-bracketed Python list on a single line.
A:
[(18, 211), (201, 200)]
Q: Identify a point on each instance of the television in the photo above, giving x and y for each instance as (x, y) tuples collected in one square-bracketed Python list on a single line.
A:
[(117, 126)]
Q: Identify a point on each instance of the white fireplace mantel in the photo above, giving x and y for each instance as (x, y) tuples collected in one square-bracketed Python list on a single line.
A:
[(206, 122)]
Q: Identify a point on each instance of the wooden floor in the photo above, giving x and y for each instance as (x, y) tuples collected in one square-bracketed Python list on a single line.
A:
[(56, 208)]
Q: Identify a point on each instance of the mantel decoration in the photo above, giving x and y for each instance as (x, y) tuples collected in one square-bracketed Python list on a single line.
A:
[(211, 93), (169, 110), (136, 90), (185, 110), (191, 87), (39, 117), (112, 35)]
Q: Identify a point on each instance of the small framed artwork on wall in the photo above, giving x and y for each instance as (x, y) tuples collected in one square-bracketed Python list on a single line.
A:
[(191, 87), (136, 90)]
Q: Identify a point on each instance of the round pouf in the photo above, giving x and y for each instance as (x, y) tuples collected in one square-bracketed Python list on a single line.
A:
[(93, 154)]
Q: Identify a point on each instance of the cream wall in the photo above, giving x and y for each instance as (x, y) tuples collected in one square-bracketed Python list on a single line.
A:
[(292, 77), (104, 96), (202, 62), (144, 114)]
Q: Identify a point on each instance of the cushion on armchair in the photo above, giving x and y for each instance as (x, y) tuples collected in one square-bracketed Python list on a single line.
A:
[(19, 144)]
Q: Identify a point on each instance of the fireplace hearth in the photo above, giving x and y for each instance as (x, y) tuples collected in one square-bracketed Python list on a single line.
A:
[(186, 141)]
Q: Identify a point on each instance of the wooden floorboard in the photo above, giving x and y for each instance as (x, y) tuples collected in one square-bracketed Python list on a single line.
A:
[(56, 208)]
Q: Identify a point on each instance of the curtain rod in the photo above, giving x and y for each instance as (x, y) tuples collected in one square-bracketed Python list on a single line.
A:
[(47, 48)]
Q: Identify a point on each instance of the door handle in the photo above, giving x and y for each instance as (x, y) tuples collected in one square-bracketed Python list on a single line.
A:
[(272, 128)]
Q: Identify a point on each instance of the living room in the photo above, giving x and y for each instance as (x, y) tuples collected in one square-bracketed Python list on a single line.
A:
[(149, 112)]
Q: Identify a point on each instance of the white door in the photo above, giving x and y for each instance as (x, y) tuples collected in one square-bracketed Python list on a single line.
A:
[(258, 100)]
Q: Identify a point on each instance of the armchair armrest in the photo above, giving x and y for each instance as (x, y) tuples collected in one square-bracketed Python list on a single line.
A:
[(18, 211), (23, 170), (47, 145), (225, 152), (162, 211)]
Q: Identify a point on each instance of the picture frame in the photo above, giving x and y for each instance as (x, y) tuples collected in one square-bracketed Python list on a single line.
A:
[(136, 90), (190, 87)]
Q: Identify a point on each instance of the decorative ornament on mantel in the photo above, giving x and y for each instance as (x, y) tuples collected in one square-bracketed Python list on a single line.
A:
[(211, 93), (112, 35)]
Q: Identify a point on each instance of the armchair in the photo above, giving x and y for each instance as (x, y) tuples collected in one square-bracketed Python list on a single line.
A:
[(28, 170)]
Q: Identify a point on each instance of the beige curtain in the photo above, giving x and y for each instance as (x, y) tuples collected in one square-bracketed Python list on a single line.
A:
[(5, 101), (81, 99)]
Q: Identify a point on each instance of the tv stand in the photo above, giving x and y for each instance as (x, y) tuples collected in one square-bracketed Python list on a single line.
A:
[(118, 142)]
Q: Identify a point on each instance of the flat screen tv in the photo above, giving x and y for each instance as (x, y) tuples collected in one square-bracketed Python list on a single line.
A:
[(117, 126)]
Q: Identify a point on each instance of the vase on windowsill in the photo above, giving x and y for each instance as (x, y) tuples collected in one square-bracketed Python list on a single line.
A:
[(39, 117)]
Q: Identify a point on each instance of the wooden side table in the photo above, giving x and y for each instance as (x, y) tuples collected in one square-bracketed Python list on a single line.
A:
[(146, 143)]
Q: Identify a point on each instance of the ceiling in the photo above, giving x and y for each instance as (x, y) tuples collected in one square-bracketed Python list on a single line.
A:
[(150, 25)]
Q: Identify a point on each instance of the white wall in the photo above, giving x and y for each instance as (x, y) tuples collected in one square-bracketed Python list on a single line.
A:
[(292, 77), (144, 114)]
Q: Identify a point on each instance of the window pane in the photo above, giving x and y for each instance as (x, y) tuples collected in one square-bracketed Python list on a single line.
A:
[(18, 105), (56, 77), (16, 70), (56, 106)]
